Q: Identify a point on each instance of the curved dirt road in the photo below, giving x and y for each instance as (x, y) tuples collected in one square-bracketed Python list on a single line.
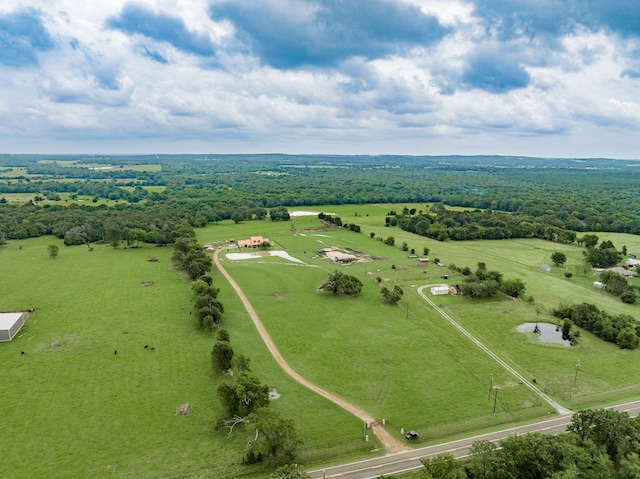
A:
[(391, 444)]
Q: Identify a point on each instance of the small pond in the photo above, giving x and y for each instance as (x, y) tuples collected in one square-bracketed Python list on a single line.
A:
[(547, 333)]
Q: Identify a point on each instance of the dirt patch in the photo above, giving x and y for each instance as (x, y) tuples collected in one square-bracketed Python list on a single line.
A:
[(147, 283)]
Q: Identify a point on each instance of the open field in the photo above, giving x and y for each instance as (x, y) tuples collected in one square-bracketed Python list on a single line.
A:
[(67, 199), (328, 330), (76, 409)]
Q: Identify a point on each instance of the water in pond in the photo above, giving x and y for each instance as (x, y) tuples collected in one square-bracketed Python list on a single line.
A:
[(547, 333)]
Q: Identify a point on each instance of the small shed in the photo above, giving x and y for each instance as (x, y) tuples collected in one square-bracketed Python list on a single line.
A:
[(440, 290), (10, 324)]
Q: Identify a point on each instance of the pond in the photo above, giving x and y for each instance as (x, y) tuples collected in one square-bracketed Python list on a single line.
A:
[(547, 333)]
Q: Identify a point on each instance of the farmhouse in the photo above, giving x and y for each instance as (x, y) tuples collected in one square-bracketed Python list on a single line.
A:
[(10, 324), (253, 242), (623, 272)]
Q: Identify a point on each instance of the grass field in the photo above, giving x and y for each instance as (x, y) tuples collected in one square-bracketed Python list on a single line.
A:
[(66, 198), (73, 408)]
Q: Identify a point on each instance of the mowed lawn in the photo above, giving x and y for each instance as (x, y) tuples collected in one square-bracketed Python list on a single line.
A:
[(72, 407)]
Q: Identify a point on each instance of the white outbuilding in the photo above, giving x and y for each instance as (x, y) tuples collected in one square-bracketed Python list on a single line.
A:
[(440, 290), (10, 324)]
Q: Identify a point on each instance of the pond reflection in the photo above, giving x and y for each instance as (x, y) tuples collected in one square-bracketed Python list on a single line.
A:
[(547, 333)]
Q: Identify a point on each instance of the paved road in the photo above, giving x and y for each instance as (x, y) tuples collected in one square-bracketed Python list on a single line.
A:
[(409, 461)]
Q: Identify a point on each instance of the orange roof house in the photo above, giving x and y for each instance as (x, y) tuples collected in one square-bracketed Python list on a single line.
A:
[(253, 242)]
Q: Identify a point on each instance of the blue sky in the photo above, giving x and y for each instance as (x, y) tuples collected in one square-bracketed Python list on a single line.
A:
[(514, 77)]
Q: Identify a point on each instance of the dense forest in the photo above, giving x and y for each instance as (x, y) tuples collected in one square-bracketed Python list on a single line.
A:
[(506, 196)]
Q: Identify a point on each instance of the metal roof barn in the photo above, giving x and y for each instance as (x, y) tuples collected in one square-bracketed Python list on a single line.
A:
[(10, 324)]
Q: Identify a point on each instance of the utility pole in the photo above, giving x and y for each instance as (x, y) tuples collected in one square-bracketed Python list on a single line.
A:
[(490, 386), (575, 378), (495, 399)]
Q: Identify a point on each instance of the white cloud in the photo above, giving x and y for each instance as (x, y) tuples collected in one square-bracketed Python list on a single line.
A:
[(100, 90)]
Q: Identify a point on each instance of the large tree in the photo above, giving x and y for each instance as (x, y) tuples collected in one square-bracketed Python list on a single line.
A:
[(243, 395), (53, 251), (272, 435), (392, 296), (340, 283), (558, 258), (222, 356)]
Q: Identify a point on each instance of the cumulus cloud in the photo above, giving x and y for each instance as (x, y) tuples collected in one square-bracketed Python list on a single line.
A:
[(142, 19), (296, 33), (22, 37), (341, 76)]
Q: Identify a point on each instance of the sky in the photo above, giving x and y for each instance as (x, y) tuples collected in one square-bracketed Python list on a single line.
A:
[(548, 78)]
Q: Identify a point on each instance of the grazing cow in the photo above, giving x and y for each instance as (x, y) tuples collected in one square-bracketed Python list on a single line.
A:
[(146, 346), (21, 352), (153, 349), (115, 352)]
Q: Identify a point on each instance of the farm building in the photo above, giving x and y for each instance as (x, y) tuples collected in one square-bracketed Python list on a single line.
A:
[(455, 289), (623, 272), (253, 242), (632, 263), (10, 324), (440, 290), (339, 257)]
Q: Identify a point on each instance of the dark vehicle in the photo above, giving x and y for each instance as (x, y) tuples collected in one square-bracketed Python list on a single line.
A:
[(412, 435)]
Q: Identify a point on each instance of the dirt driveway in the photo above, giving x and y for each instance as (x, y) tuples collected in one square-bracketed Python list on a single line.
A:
[(391, 444)]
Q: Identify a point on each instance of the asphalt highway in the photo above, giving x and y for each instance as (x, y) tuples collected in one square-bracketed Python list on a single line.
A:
[(410, 460)]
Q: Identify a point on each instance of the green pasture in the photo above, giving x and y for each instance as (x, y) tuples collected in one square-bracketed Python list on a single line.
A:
[(330, 332), (104, 167), (73, 408), (66, 199), (13, 172), (150, 189)]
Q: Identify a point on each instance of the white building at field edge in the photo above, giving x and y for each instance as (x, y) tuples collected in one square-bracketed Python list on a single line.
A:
[(10, 324)]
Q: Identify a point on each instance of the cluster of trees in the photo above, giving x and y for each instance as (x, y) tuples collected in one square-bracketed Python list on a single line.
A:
[(622, 329), (246, 401), (279, 213), (392, 296), (189, 256), (618, 285), (336, 220), (604, 256), (340, 283), (207, 308), (484, 283), (598, 444), (441, 224)]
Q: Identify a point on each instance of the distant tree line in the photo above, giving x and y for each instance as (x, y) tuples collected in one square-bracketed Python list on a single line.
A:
[(442, 224), (549, 199)]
